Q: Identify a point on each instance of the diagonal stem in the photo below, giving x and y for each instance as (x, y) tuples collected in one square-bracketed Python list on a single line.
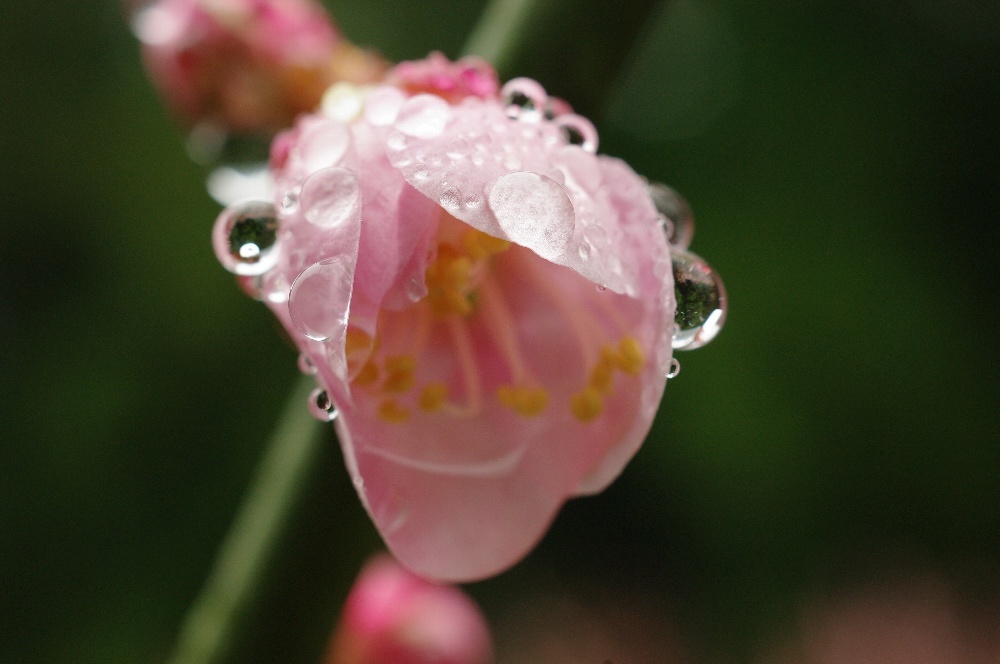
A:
[(208, 630)]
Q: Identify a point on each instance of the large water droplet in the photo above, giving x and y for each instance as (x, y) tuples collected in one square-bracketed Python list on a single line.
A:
[(701, 301), (674, 369), (330, 196), (321, 407), (677, 214), (423, 116), (534, 211), (578, 130), (323, 145), (245, 238), (318, 301), (524, 99)]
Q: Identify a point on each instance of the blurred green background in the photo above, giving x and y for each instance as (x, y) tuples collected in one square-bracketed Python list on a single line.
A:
[(842, 164)]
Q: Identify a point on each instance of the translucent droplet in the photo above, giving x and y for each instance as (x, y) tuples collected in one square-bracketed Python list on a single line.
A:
[(534, 211), (321, 407), (423, 116), (330, 197), (245, 238), (318, 301), (524, 99), (451, 199), (323, 145), (677, 211), (306, 365), (674, 369), (584, 250), (601, 288), (578, 130), (701, 301), (415, 290), (290, 201)]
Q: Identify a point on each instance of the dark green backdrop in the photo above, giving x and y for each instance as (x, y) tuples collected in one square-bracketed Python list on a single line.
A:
[(841, 161)]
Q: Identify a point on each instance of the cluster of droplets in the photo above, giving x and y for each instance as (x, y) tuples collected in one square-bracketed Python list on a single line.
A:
[(698, 288), (526, 100)]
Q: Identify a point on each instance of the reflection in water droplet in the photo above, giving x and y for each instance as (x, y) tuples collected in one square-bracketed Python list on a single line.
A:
[(675, 368), (321, 407), (524, 99), (701, 301), (677, 211), (578, 130), (245, 238), (330, 196), (318, 300), (306, 365)]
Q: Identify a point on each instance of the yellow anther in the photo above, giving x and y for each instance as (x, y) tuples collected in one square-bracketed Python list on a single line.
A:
[(357, 341), (525, 401), (632, 357), (587, 405), (433, 397), (367, 376), (458, 273), (390, 411), (602, 376), (480, 245), (399, 373)]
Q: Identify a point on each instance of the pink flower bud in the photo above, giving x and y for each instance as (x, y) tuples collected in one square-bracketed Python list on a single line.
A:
[(246, 65), (395, 617), (489, 305)]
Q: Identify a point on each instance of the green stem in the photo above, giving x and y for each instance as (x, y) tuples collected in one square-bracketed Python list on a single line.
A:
[(208, 630), (499, 34)]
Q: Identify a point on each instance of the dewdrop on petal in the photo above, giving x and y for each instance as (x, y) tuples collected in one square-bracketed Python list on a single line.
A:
[(488, 304)]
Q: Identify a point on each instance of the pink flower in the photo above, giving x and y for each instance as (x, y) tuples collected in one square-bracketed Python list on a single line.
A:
[(394, 617), (469, 77), (246, 65), (488, 304)]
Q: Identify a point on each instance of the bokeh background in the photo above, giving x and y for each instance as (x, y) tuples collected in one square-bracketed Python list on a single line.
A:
[(839, 439)]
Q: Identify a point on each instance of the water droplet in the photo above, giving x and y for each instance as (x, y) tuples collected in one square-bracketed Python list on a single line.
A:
[(319, 298), (677, 211), (578, 130), (674, 369), (330, 197), (415, 290), (423, 116), (701, 301), (343, 101), (584, 250), (601, 288), (524, 99), (245, 238), (321, 407), (382, 106), (534, 211), (306, 365), (451, 199), (323, 145), (290, 201)]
